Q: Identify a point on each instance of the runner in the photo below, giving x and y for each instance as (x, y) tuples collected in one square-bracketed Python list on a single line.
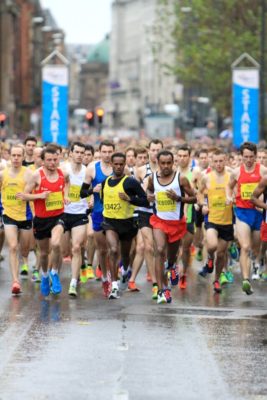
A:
[(16, 225), (88, 155), (120, 194), (219, 216), (30, 143), (248, 219), (95, 175), (75, 216), (47, 185), (166, 187)]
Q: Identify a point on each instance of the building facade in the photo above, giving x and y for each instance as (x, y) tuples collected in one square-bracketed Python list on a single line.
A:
[(138, 84)]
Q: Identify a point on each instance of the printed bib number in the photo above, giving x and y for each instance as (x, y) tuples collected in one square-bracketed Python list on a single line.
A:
[(74, 193), (247, 189), (164, 203), (54, 201), (10, 197), (113, 206)]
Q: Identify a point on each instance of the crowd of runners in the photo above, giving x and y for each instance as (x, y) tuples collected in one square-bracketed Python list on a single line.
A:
[(113, 212)]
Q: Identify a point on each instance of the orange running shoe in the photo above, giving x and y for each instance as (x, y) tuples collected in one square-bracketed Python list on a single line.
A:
[(132, 287), (16, 289), (182, 282), (98, 273)]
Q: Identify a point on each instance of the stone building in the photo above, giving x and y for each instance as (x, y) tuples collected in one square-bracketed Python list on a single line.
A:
[(138, 85)]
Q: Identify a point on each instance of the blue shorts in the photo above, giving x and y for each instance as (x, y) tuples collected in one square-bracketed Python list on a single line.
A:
[(250, 216), (97, 219)]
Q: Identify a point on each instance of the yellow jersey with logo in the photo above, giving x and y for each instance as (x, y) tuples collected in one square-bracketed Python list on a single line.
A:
[(12, 207), (219, 212), (114, 207)]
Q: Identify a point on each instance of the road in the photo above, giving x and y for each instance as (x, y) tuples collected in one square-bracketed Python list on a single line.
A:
[(202, 346)]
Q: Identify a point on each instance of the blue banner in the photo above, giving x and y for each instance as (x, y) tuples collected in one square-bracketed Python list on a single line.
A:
[(245, 106), (55, 104)]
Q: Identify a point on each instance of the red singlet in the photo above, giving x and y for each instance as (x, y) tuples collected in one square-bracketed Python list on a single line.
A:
[(246, 184)]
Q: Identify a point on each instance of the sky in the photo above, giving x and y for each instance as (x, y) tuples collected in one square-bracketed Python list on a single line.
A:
[(83, 21)]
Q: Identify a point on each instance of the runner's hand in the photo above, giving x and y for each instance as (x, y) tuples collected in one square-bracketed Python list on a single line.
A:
[(97, 188), (205, 210), (150, 198), (172, 195), (20, 196), (124, 196), (44, 195)]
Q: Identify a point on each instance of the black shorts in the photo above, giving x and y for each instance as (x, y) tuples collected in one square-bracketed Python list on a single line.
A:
[(125, 228), (225, 232), (143, 220), (23, 225), (199, 218), (42, 227), (190, 227), (74, 220)]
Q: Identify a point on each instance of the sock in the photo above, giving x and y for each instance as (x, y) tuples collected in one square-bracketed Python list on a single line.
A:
[(104, 279), (45, 274), (54, 271), (73, 282), (83, 266), (114, 285)]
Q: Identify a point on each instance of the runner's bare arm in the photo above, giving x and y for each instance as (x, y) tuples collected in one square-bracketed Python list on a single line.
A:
[(185, 184), (255, 198), (150, 189), (231, 185), (86, 191), (263, 171), (201, 190), (32, 183)]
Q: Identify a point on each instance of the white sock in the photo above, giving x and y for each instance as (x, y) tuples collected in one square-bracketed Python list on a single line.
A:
[(73, 282), (54, 271), (104, 279), (45, 274), (115, 285)]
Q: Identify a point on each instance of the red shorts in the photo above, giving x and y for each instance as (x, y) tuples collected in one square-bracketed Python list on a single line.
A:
[(264, 231), (174, 230)]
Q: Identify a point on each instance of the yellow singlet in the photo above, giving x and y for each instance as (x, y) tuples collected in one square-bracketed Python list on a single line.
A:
[(114, 207), (219, 212), (12, 207)]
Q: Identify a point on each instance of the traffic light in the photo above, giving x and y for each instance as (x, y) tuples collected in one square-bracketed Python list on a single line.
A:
[(90, 118), (100, 114), (3, 119)]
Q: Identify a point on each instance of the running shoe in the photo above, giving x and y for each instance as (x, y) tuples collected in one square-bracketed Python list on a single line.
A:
[(217, 287), (16, 289), (98, 273), (255, 273), (161, 297), (155, 292), (45, 286), (36, 276), (233, 251), (124, 278), (229, 276), (83, 275), (204, 271), (114, 294), (148, 277), (56, 287), (132, 287), (24, 270), (223, 279), (264, 276), (246, 287), (174, 276), (199, 255), (72, 291), (192, 250), (90, 274), (182, 282), (106, 288), (210, 265), (168, 295)]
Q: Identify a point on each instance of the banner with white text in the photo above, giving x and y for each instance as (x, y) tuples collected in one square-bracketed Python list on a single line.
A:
[(55, 104), (245, 106)]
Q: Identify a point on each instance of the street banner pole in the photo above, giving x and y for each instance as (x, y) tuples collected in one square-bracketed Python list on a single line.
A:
[(55, 79), (245, 101)]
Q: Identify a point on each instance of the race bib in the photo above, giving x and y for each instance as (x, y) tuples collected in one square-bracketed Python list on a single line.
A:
[(74, 193), (165, 204), (247, 189), (218, 203), (54, 201), (10, 197)]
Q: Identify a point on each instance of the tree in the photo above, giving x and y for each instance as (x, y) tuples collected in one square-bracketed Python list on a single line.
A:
[(206, 39)]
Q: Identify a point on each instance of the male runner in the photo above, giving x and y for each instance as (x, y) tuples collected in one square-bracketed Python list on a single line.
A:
[(167, 187), (30, 143)]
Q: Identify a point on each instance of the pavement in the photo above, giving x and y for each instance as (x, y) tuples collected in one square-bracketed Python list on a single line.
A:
[(201, 346)]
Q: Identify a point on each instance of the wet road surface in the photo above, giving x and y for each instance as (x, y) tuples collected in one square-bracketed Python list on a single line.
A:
[(202, 346)]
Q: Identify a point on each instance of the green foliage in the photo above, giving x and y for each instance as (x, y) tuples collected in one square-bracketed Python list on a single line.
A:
[(207, 40)]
